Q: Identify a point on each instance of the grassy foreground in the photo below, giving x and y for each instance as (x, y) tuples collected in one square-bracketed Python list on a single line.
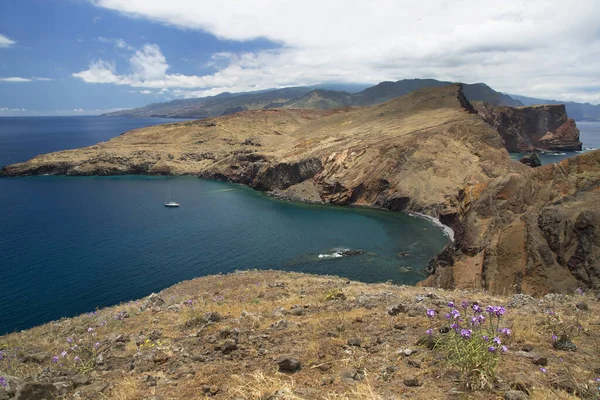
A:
[(278, 335)]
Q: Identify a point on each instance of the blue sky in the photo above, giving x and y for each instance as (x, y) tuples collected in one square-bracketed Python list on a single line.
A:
[(61, 57)]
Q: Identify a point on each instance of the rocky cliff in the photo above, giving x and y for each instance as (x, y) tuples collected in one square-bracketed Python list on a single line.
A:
[(524, 129), (532, 232), (428, 152)]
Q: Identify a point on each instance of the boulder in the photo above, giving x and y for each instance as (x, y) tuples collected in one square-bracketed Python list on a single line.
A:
[(36, 391), (288, 364), (532, 159)]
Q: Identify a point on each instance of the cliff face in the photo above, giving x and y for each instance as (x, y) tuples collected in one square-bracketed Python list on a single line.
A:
[(523, 129), (534, 232)]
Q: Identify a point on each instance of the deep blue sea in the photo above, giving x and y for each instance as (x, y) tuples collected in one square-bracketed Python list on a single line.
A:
[(71, 244)]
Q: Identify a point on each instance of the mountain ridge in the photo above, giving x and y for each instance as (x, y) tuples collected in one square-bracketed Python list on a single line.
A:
[(306, 97)]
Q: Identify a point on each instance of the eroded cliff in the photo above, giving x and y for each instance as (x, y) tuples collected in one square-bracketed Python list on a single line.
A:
[(534, 232), (524, 129)]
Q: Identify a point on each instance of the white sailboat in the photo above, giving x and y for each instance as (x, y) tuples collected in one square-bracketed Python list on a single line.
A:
[(169, 202)]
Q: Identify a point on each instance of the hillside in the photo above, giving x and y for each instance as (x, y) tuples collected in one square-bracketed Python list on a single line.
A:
[(414, 152), (305, 97), (288, 336), (577, 111)]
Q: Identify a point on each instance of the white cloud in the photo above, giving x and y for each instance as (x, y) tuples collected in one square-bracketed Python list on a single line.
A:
[(5, 42), (19, 79), (119, 43), (146, 91), (12, 109), (541, 48), (15, 79)]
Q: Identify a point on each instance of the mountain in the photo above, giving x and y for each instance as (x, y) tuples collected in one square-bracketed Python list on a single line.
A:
[(307, 97), (388, 90), (577, 111)]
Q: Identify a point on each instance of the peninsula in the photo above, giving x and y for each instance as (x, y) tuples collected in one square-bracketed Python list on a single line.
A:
[(518, 229)]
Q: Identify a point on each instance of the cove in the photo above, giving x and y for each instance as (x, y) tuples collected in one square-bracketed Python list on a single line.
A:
[(69, 245)]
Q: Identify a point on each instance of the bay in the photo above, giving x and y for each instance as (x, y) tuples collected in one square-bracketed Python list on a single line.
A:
[(71, 244)]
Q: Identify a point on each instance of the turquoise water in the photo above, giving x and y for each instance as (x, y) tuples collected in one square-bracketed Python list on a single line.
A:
[(71, 244)]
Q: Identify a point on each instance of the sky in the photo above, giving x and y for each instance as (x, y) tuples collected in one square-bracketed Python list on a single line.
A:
[(75, 57)]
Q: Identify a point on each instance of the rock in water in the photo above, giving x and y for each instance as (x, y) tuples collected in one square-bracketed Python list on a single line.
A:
[(351, 252), (532, 160)]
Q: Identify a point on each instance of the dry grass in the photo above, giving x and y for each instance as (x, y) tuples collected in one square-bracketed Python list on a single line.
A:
[(185, 361)]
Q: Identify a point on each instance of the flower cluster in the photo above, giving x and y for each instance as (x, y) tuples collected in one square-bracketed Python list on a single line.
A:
[(474, 340), (3, 382), (80, 353)]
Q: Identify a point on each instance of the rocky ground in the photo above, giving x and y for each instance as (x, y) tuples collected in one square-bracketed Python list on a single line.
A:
[(278, 335)]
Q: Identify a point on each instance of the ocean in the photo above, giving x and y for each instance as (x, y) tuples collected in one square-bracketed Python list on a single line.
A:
[(71, 244), (589, 136)]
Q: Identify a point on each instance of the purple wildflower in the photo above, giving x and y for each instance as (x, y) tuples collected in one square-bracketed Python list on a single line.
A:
[(579, 291), (55, 359), (464, 304), (77, 359), (597, 379), (504, 349), (497, 341), (90, 329), (429, 331), (500, 311), (448, 316), (69, 340), (430, 313), (455, 326), (455, 313), (554, 337), (476, 308), (3, 381), (96, 345), (543, 370), (491, 349), (451, 304), (485, 338), (506, 331), (466, 333)]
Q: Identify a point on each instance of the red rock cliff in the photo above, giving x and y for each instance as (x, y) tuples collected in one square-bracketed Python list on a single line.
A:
[(523, 129)]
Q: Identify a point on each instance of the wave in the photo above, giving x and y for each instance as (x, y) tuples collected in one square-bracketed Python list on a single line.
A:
[(447, 230), (337, 253), (555, 154)]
